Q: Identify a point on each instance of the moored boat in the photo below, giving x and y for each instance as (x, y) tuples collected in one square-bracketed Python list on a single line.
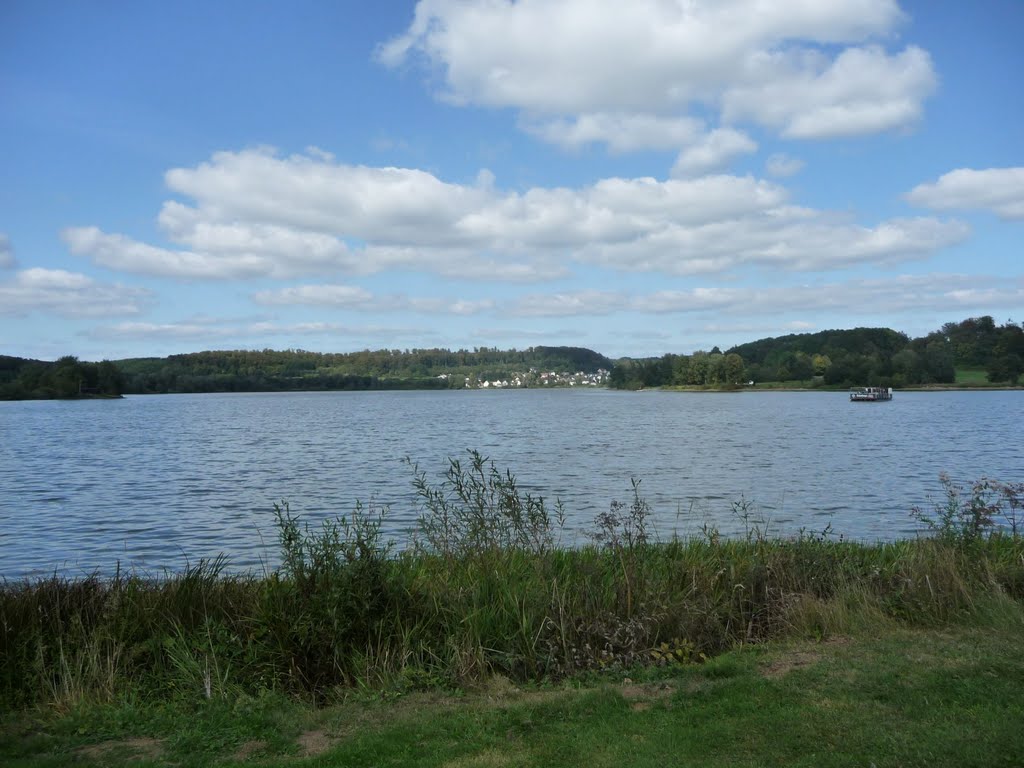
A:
[(870, 394)]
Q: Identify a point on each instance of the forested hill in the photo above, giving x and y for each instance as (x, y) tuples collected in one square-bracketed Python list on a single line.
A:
[(857, 357), (859, 341), (68, 377), (269, 370), (861, 356), (890, 358)]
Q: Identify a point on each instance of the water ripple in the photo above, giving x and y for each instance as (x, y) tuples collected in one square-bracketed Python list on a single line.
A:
[(153, 482)]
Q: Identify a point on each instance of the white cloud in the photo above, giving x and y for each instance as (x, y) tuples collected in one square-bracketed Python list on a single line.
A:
[(122, 253), (865, 90), (858, 297), (576, 303), (713, 152), (622, 132), (781, 165), (626, 72), (258, 215), (342, 296), (254, 333), (786, 238), (355, 298), (997, 189), (761, 329), (463, 307), (148, 330), (520, 335), (6, 252), (56, 291)]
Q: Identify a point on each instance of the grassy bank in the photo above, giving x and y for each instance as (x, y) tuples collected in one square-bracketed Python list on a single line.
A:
[(485, 589), (889, 697)]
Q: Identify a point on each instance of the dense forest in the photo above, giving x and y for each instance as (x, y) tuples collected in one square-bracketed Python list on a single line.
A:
[(67, 377), (857, 357), (267, 370), (271, 371)]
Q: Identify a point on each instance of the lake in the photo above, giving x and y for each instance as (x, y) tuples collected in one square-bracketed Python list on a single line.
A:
[(157, 481)]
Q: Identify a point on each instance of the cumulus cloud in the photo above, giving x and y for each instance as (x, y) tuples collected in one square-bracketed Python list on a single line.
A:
[(865, 90), (782, 165), (255, 214), (808, 70), (622, 132), (220, 330), (354, 298), (6, 252), (713, 152), (56, 291), (906, 292), (1000, 190), (785, 238), (762, 329), (342, 296), (149, 330), (122, 253)]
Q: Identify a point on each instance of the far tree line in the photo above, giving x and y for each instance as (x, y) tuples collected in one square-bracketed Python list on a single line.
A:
[(876, 356), (290, 370), (861, 356), (67, 377)]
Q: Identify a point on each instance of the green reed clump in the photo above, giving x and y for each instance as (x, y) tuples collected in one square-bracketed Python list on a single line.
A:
[(331, 600), (477, 510), (483, 587), (962, 518)]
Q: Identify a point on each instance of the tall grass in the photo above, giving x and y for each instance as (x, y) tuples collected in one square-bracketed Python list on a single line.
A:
[(484, 587)]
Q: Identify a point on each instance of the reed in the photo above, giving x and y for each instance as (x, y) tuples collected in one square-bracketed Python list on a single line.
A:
[(484, 587)]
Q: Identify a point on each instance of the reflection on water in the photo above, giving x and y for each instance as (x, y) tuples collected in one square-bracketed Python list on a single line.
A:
[(153, 481)]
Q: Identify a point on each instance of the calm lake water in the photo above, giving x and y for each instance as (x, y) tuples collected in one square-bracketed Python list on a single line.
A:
[(155, 481)]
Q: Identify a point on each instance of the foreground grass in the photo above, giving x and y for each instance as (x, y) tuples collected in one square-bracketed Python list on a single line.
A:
[(484, 589), (894, 697)]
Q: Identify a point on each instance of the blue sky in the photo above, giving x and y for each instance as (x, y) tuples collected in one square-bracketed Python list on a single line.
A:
[(638, 178)]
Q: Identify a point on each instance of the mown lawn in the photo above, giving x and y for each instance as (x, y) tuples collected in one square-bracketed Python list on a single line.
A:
[(973, 376), (892, 697)]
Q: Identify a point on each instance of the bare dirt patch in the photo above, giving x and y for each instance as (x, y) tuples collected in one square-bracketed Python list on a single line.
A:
[(803, 658), (314, 742), (647, 692), (139, 748), (499, 688), (642, 697), (249, 749), (795, 660), (490, 758)]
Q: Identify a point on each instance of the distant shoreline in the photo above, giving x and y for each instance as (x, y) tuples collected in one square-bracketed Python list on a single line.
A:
[(755, 388)]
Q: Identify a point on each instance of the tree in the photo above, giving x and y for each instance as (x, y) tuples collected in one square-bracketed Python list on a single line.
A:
[(938, 361), (1007, 368), (697, 373), (733, 369), (109, 379), (67, 377), (908, 368)]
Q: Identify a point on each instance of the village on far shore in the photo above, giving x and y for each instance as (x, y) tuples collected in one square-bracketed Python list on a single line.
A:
[(535, 378)]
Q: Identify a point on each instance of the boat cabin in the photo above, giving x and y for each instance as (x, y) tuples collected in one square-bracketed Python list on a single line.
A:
[(870, 394)]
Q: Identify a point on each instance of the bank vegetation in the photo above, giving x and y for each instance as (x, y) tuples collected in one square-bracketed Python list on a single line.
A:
[(485, 586)]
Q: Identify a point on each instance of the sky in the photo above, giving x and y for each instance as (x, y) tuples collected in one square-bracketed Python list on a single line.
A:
[(634, 177)]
